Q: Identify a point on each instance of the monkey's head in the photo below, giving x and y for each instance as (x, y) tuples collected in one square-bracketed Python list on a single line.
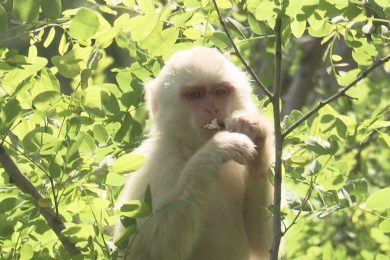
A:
[(196, 91)]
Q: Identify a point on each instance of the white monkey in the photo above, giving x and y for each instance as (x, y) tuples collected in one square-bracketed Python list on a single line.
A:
[(211, 149)]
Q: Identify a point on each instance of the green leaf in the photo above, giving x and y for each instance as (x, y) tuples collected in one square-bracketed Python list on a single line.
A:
[(3, 19), (68, 65), (148, 197), (386, 138), (384, 226), (127, 222), (46, 101), (192, 33), (101, 204), (181, 18), (142, 26), (124, 79), (63, 46), (84, 24), (339, 4), (83, 143), (93, 59), (147, 6), (346, 78), (257, 27), (79, 233), (236, 28), (334, 175), (47, 81), (298, 27), (318, 145), (220, 40), (266, 10), (8, 114), (336, 58), (109, 103), (100, 134), (114, 179), (26, 252), (49, 37), (383, 3), (379, 200), (128, 163), (224, 4), (84, 78), (51, 8), (44, 143), (123, 241), (15, 77), (26, 10), (136, 209), (293, 8)]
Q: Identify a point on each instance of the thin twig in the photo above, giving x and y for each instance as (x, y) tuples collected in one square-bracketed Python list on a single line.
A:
[(277, 229), (340, 93), (26, 186), (239, 55), (304, 202)]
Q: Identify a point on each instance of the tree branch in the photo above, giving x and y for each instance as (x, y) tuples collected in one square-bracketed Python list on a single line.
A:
[(340, 93), (277, 229), (26, 186), (239, 55)]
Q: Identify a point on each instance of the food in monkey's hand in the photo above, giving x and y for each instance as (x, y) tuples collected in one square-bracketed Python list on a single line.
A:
[(213, 125)]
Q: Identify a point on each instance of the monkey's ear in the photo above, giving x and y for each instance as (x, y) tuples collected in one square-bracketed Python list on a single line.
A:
[(150, 97)]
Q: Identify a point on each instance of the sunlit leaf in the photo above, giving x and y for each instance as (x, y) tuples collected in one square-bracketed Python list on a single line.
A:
[(114, 179), (384, 226), (379, 200), (84, 25), (224, 4), (26, 252), (128, 163), (49, 37), (68, 65), (147, 6)]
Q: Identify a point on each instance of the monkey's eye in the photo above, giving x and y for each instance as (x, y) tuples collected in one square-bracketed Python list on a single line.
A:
[(221, 92), (194, 94)]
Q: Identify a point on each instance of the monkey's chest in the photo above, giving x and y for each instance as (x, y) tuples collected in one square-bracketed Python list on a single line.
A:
[(222, 234)]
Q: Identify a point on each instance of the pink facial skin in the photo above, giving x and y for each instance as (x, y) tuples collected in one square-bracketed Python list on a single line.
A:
[(208, 102)]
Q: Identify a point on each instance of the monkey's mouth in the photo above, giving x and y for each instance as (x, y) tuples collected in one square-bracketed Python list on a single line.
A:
[(214, 125)]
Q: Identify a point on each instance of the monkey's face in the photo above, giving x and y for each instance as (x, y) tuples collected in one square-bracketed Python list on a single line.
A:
[(209, 105)]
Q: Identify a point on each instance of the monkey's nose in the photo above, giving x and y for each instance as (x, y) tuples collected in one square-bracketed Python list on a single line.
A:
[(212, 111)]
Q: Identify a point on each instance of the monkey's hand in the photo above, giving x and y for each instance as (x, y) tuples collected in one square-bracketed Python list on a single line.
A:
[(253, 125), (232, 146), (259, 130)]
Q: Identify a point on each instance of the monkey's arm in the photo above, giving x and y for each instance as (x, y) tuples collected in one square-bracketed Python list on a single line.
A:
[(258, 197), (259, 190), (171, 234), (258, 220)]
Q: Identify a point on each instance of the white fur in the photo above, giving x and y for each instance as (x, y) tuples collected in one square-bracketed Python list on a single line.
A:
[(224, 216)]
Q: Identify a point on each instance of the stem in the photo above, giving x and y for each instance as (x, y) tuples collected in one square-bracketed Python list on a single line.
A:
[(26, 186), (277, 231), (340, 93), (239, 55)]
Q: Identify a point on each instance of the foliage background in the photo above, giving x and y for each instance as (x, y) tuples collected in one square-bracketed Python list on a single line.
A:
[(71, 111)]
